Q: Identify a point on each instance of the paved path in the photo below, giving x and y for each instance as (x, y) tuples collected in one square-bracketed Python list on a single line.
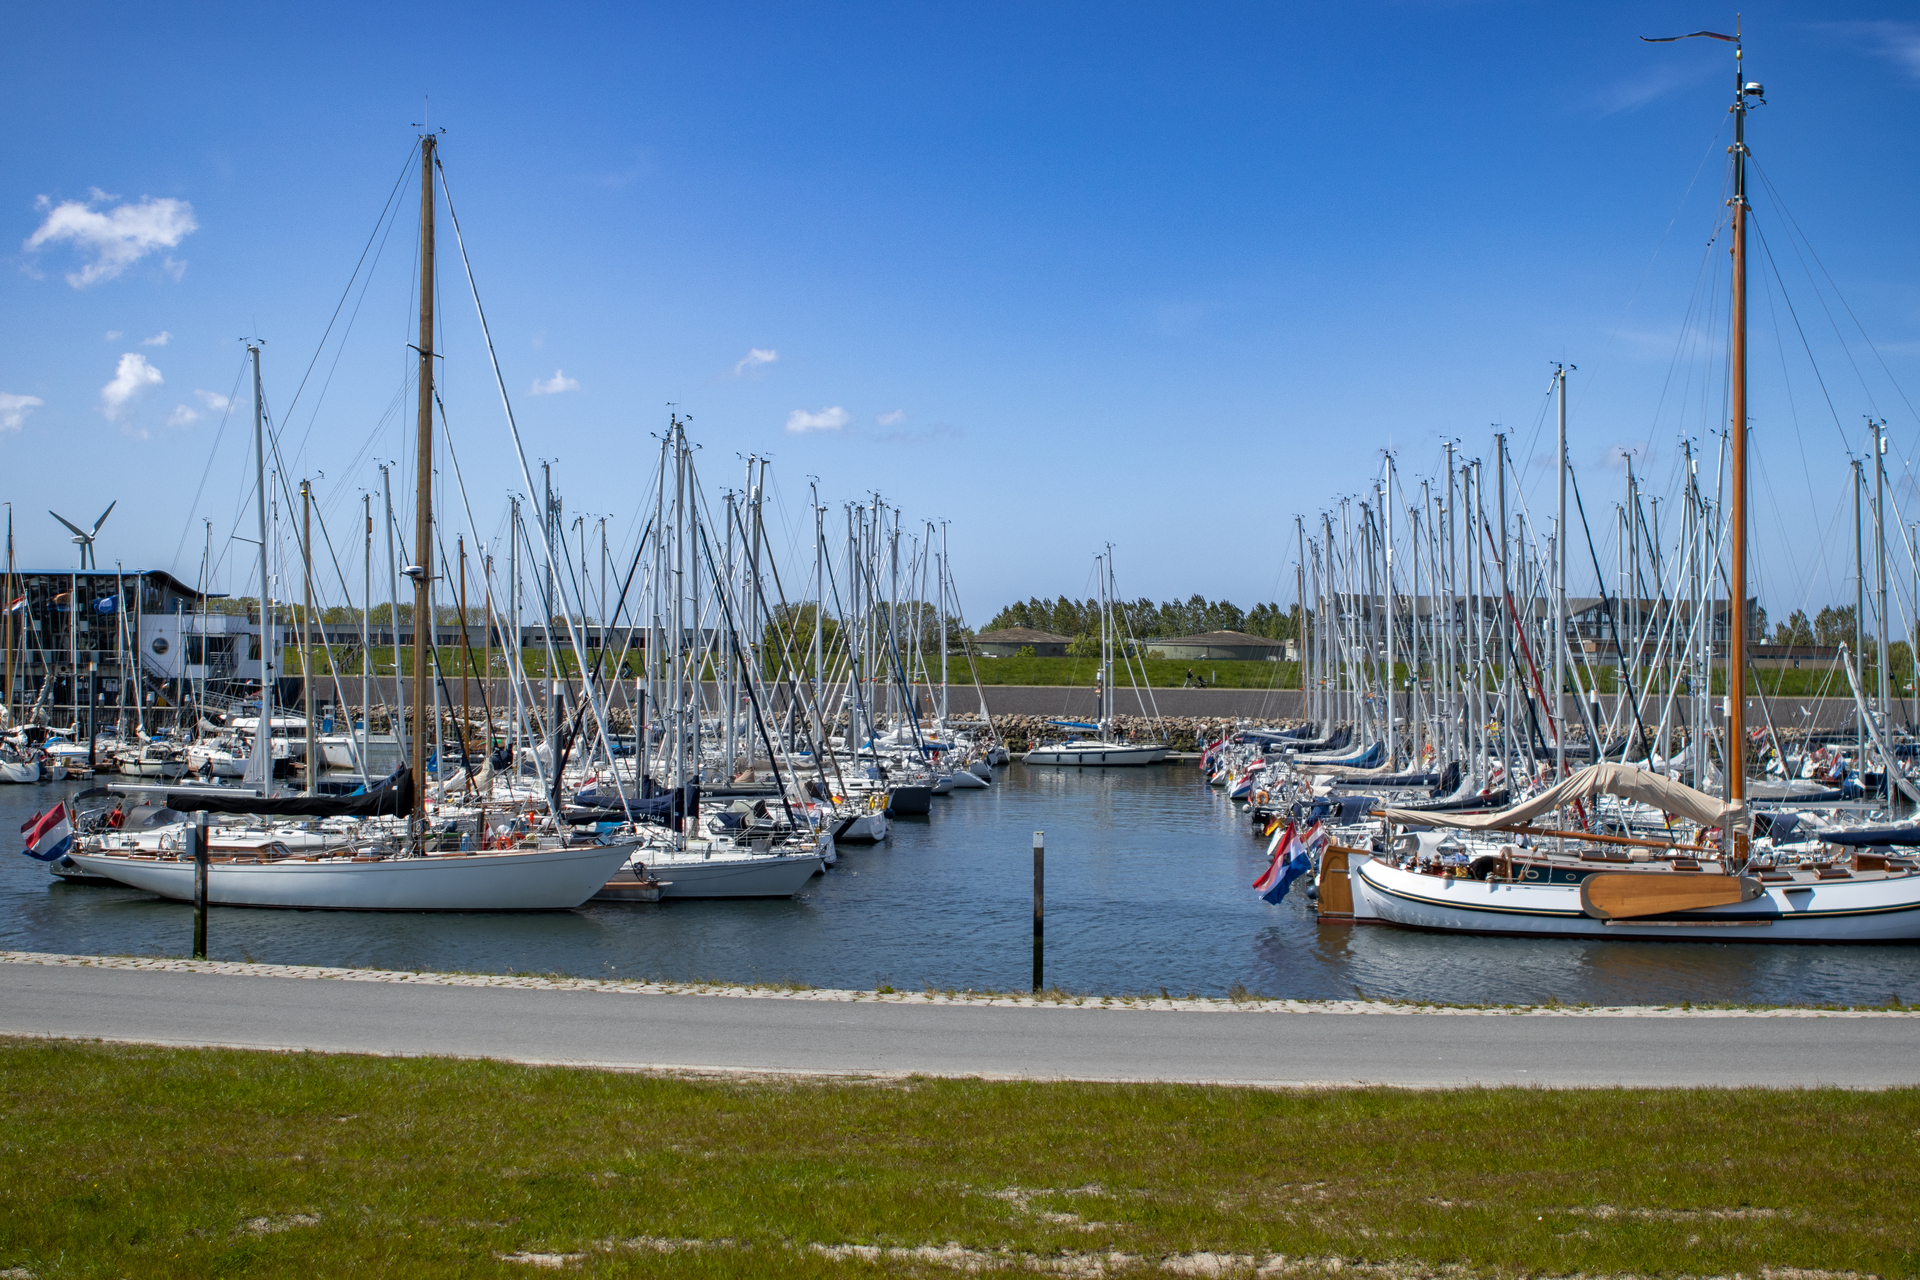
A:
[(839, 1033)]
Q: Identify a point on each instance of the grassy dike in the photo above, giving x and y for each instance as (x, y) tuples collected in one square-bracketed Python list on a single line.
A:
[(126, 1161)]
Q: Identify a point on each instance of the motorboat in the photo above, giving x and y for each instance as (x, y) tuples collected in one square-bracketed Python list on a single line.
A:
[(1095, 752)]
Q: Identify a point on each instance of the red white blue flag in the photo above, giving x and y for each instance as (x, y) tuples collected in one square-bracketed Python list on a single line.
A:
[(49, 835), (1289, 860)]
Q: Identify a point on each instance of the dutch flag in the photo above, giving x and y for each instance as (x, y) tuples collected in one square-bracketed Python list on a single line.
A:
[(1291, 860), (49, 835)]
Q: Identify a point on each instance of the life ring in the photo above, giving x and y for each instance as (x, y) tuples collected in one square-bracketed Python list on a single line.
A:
[(1261, 796)]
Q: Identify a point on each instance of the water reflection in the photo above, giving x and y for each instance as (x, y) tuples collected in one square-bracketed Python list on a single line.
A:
[(1148, 875)]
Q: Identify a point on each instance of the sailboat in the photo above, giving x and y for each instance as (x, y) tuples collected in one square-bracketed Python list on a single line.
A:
[(391, 861), (1557, 883), (1101, 750)]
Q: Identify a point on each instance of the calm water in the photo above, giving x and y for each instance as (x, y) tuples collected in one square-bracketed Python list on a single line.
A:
[(1148, 875)]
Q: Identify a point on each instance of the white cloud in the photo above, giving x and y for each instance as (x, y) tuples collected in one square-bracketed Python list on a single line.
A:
[(826, 420), (892, 418), (133, 376), (755, 357), (1630, 93), (14, 410), (159, 339), (1899, 42), (555, 385), (213, 400), (182, 416), (118, 237), (112, 335)]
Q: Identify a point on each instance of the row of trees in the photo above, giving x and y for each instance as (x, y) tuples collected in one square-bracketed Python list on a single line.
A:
[(341, 615), (1068, 617)]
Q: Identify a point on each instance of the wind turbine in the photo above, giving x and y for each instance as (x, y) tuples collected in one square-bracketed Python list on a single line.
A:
[(84, 539)]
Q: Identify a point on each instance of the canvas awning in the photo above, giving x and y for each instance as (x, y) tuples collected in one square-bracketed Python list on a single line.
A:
[(1625, 781)]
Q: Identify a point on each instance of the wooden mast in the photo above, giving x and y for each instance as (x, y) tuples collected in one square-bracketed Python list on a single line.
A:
[(1737, 586), (423, 502)]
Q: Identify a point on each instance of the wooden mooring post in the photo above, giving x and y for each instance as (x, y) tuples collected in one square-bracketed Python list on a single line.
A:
[(1039, 907), (197, 832)]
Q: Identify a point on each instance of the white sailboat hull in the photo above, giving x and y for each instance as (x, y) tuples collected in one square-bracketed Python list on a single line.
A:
[(19, 771), (734, 877), (537, 880), (1096, 754), (866, 828), (1867, 910)]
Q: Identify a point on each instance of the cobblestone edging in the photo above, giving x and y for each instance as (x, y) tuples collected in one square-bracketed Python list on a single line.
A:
[(1045, 1000)]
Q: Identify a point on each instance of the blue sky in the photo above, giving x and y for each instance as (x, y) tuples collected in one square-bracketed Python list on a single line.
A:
[(1060, 274)]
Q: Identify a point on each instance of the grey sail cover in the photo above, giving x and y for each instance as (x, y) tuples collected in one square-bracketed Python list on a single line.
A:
[(1610, 779)]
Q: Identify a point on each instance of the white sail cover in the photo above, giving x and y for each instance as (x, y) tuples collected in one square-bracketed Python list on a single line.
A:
[(1623, 780)]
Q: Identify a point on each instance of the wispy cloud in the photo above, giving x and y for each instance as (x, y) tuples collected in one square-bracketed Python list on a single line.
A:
[(934, 434), (112, 335), (14, 410), (1630, 93), (829, 419), (555, 385), (891, 418), (213, 400), (754, 361), (131, 379), (183, 416), (1898, 42), (116, 238), (159, 339), (1616, 455)]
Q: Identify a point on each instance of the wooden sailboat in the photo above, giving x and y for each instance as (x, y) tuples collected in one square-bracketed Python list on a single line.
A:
[(1670, 893), (370, 870)]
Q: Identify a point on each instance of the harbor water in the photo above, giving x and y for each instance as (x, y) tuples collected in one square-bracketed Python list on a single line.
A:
[(1148, 875)]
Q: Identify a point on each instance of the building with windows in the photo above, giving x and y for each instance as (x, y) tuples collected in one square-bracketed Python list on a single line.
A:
[(105, 639)]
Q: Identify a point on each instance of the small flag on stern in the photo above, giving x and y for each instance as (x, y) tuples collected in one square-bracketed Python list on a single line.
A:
[(1291, 860), (49, 835)]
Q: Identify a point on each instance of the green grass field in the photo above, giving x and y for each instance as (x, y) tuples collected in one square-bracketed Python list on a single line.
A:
[(127, 1161)]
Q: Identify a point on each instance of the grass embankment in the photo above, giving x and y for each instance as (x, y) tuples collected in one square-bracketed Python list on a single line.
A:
[(137, 1161), (1163, 673)]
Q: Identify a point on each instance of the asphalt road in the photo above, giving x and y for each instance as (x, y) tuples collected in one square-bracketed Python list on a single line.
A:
[(706, 1033)]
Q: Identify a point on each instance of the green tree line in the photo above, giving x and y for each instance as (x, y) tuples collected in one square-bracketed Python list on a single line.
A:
[(1073, 618)]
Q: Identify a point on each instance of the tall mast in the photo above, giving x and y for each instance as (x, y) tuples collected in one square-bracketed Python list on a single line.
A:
[(423, 500), (306, 625), (1300, 613), (1859, 600), (1737, 610), (1558, 712), (941, 587), (399, 725), (366, 645), (6, 699), (1386, 582), (1880, 561), (260, 760)]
